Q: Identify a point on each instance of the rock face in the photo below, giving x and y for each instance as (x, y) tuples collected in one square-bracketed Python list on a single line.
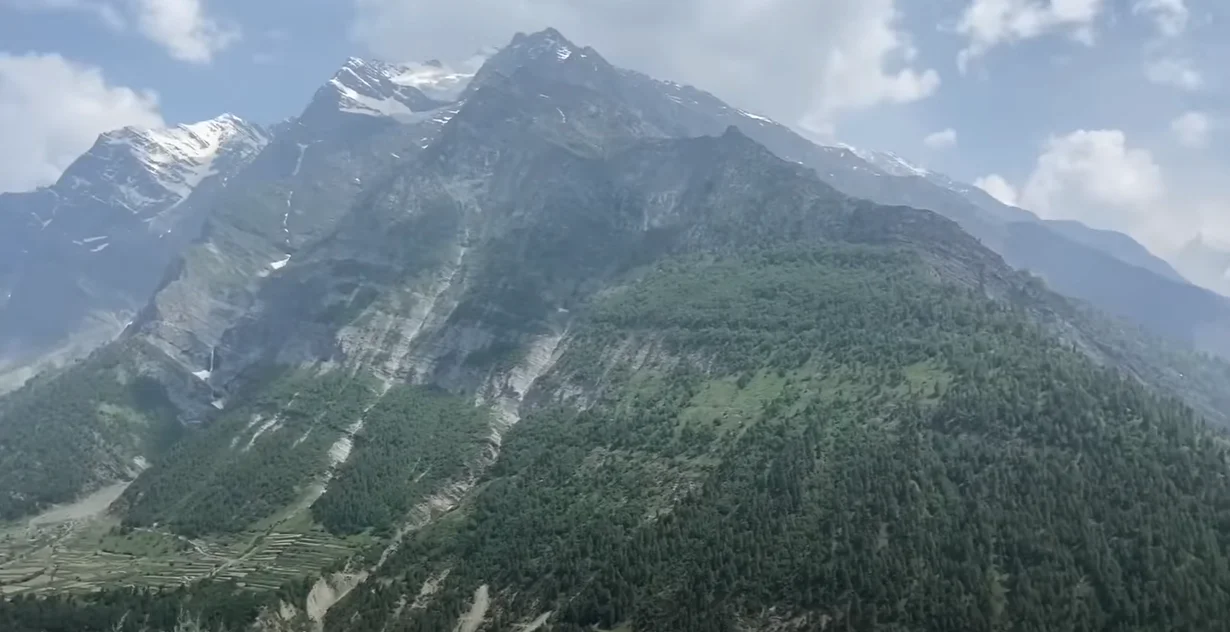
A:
[(360, 127), (80, 257)]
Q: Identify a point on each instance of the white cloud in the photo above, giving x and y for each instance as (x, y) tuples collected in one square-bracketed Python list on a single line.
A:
[(51, 110), (942, 139), (1096, 177), (1192, 129), (999, 188), (1171, 16), (801, 61), (105, 12), (1176, 72), (183, 29), (990, 23)]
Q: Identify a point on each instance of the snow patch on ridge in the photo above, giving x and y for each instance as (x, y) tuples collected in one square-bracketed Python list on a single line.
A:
[(755, 117), (437, 80), (888, 162), (355, 103), (299, 161), (180, 157)]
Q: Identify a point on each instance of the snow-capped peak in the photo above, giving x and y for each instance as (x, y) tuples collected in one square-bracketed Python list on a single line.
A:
[(440, 81), (180, 157), (887, 162), (401, 90)]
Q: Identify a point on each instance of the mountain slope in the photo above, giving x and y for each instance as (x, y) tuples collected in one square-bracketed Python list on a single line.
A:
[(1202, 318), (1117, 245), (292, 195), (74, 431), (250, 221), (563, 366), (791, 439), (87, 252)]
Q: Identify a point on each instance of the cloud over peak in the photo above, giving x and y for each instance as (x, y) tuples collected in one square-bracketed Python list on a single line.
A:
[(943, 139), (801, 61), (52, 110)]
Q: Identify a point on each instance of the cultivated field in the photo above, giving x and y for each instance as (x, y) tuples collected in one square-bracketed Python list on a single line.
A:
[(80, 548)]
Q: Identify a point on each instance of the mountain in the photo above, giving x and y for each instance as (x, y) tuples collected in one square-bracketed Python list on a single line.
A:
[(551, 357), (81, 256), (1113, 270), (359, 128), (1207, 263), (1115, 244), (1108, 270)]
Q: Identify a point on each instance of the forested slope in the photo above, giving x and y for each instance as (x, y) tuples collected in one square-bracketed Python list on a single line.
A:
[(82, 427), (808, 438)]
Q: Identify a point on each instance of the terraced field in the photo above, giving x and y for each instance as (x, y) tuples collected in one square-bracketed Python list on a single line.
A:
[(76, 551)]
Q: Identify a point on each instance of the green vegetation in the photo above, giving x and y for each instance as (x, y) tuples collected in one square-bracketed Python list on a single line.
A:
[(79, 429), (414, 440), (215, 606), (828, 438), (254, 461)]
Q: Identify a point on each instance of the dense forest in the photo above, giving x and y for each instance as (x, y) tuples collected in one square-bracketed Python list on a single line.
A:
[(264, 454), (414, 441), (255, 460), (205, 607), (827, 439), (52, 430)]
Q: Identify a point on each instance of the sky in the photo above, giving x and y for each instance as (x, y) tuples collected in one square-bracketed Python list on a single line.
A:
[(1112, 112)]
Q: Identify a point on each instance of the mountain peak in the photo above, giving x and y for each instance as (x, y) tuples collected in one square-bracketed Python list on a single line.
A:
[(536, 45), (176, 158), (378, 88), (548, 53), (547, 35)]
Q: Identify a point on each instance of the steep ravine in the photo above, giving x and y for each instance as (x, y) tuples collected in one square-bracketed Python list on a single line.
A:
[(504, 393)]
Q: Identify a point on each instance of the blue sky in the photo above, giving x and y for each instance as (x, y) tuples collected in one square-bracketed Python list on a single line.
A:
[(1110, 111), (285, 50)]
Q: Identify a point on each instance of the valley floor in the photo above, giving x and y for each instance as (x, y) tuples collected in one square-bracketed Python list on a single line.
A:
[(78, 548)]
